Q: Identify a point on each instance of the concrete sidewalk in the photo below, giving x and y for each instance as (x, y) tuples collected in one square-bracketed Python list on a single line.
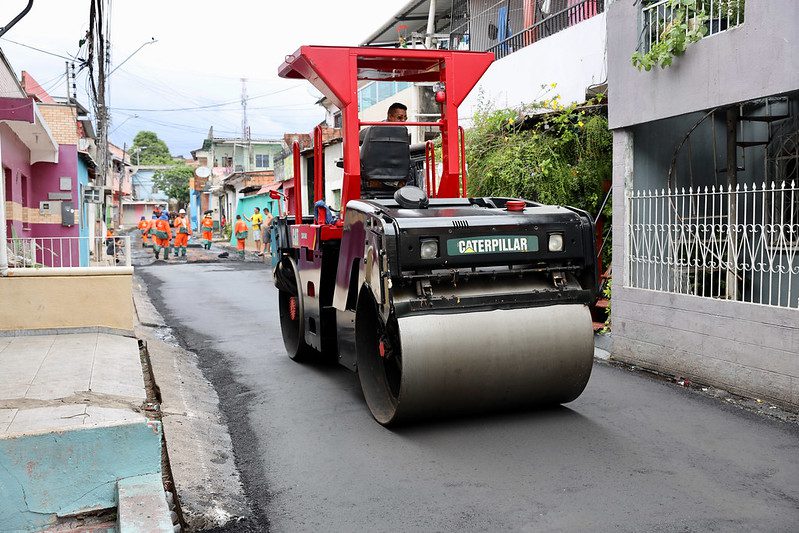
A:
[(72, 429)]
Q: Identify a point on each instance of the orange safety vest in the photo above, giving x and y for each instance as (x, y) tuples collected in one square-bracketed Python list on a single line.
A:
[(144, 226), (163, 225), (182, 225), (207, 223), (241, 226)]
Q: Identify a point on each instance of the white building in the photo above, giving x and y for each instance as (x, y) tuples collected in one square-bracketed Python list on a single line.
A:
[(537, 43)]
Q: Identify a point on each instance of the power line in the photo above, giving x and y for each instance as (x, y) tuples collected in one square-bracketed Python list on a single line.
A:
[(40, 50), (206, 106)]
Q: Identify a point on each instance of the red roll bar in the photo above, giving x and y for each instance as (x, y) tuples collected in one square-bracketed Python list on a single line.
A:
[(297, 183), (318, 173), (464, 194), (430, 168)]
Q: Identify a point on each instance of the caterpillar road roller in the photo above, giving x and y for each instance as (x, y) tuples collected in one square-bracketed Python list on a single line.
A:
[(440, 302)]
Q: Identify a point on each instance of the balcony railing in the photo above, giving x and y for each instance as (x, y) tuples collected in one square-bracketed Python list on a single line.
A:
[(735, 244), (68, 252), (536, 24), (659, 17)]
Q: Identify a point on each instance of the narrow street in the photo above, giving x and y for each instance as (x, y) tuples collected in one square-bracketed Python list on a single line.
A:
[(633, 453)]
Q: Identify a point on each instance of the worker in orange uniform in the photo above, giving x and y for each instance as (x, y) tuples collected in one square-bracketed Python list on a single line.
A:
[(207, 227), (163, 234), (240, 230), (144, 228), (182, 232)]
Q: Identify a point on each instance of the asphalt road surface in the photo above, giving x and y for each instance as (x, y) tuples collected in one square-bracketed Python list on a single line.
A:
[(631, 454)]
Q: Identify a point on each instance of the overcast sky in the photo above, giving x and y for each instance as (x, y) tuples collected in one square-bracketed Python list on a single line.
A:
[(203, 50)]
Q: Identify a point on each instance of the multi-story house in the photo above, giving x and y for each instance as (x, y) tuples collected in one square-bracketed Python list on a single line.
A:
[(234, 164), (706, 194), (47, 210), (537, 43), (120, 181)]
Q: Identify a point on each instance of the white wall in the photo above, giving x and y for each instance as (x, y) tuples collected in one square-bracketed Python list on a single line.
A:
[(334, 176), (573, 58)]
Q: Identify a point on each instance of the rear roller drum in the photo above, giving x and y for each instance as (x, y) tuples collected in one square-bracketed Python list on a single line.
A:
[(292, 323)]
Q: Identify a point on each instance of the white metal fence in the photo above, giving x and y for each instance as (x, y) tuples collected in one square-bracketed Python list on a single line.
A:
[(68, 252), (661, 16), (737, 244)]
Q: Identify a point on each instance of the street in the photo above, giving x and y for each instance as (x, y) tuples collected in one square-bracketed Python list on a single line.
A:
[(633, 453)]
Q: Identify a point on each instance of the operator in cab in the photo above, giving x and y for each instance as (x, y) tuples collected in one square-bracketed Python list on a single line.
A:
[(397, 112)]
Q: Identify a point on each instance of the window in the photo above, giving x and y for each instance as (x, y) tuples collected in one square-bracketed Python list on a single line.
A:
[(367, 96), (335, 201), (262, 161), (377, 91), (385, 90), (337, 121)]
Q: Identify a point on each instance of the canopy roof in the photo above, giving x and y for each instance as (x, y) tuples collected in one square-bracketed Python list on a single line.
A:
[(335, 71)]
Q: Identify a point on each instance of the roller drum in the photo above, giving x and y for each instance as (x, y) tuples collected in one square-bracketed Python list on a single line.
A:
[(480, 361)]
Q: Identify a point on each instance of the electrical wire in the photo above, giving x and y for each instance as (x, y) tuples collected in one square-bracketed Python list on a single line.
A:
[(209, 106), (39, 49)]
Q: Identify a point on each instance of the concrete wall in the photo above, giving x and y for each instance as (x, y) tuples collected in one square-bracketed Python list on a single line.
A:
[(246, 206), (334, 176), (47, 179), (758, 58), (67, 298), (573, 58), (748, 349)]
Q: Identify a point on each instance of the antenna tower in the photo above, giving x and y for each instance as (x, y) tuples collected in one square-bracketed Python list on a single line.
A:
[(245, 127)]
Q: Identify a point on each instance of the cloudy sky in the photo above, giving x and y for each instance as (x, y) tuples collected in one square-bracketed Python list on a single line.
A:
[(203, 49)]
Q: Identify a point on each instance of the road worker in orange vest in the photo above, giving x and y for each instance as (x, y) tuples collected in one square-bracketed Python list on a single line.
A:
[(207, 226), (240, 231), (144, 228), (182, 232), (163, 234)]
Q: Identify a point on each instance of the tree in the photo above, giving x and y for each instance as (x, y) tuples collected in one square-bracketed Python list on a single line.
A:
[(174, 182), (151, 150)]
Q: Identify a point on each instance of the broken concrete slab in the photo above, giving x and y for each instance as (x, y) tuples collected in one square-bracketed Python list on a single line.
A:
[(142, 506)]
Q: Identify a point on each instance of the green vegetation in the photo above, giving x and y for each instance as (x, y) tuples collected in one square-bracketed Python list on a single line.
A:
[(560, 154), (562, 158), (148, 149), (689, 22), (174, 182)]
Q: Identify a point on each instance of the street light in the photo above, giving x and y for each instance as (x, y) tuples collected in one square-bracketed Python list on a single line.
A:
[(151, 41), (127, 119), (138, 154)]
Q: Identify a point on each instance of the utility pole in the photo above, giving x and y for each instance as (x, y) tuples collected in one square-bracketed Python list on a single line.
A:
[(74, 86), (245, 126), (121, 182), (66, 67)]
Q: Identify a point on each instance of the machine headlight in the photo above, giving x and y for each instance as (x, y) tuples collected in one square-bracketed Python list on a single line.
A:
[(428, 248), (555, 242)]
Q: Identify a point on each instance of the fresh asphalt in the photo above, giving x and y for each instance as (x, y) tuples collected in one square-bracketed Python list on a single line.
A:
[(631, 454)]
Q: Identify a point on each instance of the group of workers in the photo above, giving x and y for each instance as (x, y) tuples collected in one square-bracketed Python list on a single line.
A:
[(159, 232)]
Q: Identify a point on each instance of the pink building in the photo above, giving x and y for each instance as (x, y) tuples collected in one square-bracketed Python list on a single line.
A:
[(43, 196)]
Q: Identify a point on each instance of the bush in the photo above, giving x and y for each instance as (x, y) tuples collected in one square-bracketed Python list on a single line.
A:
[(545, 152)]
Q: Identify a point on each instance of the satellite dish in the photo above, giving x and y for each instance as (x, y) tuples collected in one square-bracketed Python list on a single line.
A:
[(202, 172)]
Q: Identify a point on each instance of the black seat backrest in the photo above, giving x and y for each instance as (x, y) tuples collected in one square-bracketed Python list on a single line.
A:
[(385, 154)]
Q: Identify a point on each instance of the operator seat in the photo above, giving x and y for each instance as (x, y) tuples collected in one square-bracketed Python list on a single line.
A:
[(385, 161)]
